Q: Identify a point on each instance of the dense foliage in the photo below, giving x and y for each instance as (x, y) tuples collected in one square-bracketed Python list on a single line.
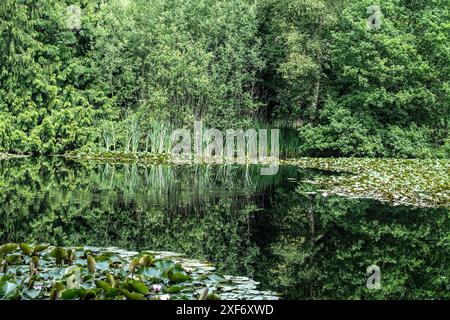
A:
[(134, 69), (357, 91)]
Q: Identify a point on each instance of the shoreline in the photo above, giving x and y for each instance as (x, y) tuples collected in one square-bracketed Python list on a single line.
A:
[(398, 182)]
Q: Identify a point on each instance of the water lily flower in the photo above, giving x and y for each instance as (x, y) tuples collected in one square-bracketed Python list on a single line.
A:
[(164, 297), (156, 287)]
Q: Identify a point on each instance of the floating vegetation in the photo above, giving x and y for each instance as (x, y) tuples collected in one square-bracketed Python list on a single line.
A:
[(44, 272), (148, 158), (421, 183), (416, 182), (121, 157)]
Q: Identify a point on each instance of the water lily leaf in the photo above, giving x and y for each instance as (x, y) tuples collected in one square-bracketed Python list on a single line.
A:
[(39, 248), (112, 293), (59, 254), (159, 269), (7, 248), (213, 296), (102, 285), (216, 278), (132, 295), (14, 258), (151, 272), (173, 289), (9, 289), (138, 287), (90, 294), (56, 290), (32, 294), (177, 274), (26, 249), (72, 294), (102, 265), (178, 277), (87, 276), (146, 260)]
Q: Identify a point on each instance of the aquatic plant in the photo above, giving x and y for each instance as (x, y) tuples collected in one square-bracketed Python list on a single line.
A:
[(422, 183), (86, 273), (109, 135)]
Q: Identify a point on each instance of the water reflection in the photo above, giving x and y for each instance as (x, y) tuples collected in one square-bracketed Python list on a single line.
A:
[(303, 245)]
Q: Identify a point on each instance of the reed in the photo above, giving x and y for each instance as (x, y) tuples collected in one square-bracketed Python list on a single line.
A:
[(109, 135), (155, 137)]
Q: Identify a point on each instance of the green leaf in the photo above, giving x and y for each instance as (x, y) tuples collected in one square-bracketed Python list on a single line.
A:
[(9, 290), (14, 258), (102, 285), (213, 296), (31, 294), (90, 294), (177, 274), (56, 290), (26, 249), (59, 254), (7, 248), (39, 248), (111, 293), (138, 287), (173, 289), (146, 260), (72, 294), (132, 295)]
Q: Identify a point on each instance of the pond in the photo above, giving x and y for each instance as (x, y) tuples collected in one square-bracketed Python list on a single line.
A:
[(301, 244)]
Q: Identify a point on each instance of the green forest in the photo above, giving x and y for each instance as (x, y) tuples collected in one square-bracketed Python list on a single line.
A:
[(130, 70), (349, 200)]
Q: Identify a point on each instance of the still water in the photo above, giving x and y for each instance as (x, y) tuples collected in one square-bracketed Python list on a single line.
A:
[(303, 245)]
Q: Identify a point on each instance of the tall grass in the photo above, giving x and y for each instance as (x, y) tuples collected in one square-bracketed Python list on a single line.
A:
[(289, 138), (155, 137), (133, 136), (109, 135), (158, 138)]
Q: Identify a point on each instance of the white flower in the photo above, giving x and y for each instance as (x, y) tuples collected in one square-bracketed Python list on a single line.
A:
[(164, 297)]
